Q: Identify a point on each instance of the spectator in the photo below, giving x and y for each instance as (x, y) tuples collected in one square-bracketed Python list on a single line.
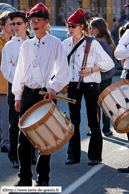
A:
[(101, 33), (122, 21), (88, 15), (5, 36), (60, 19), (115, 22)]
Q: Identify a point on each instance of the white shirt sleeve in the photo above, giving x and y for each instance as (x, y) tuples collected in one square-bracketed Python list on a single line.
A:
[(101, 58), (62, 75), (6, 63), (18, 85), (121, 51)]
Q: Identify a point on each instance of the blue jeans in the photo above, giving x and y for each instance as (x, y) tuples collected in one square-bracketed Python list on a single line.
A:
[(105, 119), (4, 120)]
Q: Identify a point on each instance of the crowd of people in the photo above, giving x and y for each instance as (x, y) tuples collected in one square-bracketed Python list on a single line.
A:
[(52, 57)]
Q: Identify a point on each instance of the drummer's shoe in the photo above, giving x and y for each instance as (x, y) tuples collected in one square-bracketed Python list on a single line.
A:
[(94, 162), (41, 183), (125, 170), (23, 183), (71, 161), (89, 133), (108, 133)]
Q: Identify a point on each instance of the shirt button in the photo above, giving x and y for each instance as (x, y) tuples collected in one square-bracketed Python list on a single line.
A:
[(42, 42), (78, 55)]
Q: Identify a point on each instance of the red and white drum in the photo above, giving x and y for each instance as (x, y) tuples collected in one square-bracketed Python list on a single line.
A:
[(114, 101), (46, 127)]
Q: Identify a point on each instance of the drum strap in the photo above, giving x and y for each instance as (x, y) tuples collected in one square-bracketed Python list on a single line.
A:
[(35, 66), (87, 49)]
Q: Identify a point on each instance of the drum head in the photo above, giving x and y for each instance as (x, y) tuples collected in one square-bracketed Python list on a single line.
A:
[(37, 114)]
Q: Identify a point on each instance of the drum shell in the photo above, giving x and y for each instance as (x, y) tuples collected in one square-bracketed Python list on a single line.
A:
[(49, 132), (115, 104)]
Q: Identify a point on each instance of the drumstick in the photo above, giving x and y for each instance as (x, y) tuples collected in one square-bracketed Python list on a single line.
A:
[(60, 98)]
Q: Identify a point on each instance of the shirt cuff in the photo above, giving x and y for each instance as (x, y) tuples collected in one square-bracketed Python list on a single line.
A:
[(18, 97)]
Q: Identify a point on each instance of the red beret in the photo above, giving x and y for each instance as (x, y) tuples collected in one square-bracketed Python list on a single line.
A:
[(77, 17), (39, 10)]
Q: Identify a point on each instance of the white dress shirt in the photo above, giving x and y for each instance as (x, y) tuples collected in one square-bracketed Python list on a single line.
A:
[(96, 57), (10, 54), (52, 60), (122, 49)]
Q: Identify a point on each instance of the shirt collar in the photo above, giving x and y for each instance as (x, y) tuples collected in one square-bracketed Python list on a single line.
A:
[(42, 40), (3, 38), (19, 39), (83, 36)]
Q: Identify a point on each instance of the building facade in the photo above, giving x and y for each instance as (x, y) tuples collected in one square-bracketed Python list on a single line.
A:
[(107, 8)]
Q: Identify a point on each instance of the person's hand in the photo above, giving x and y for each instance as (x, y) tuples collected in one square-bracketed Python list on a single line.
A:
[(17, 105), (51, 94), (84, 71)]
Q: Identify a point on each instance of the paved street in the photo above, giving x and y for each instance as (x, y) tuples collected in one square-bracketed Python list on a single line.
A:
[(81, 178)]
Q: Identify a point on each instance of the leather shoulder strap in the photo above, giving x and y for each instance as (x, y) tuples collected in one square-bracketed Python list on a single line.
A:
[(87, 49), (75, 48)]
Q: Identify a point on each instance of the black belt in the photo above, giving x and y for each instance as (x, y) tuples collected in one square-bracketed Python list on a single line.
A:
[(35, 90), (32, 90)]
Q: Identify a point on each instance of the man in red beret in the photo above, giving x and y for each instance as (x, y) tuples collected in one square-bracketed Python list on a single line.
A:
[(40, 58)]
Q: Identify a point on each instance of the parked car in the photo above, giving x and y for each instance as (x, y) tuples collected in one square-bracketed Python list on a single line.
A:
[(6, 7), (60, 32)]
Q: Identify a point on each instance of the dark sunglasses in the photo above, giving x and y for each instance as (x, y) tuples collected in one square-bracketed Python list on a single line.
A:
[(72, 26), (18, 23)]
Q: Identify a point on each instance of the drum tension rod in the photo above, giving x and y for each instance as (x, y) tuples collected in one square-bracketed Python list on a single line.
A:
[(111, 113), (126, 100), (118, 106)]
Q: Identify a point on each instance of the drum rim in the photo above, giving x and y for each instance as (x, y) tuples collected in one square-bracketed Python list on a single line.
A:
[(123, 115), (41, 121), (110, 88)]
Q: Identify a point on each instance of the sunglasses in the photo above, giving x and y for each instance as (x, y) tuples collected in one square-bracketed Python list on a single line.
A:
[(18, 23), (72, 26), (35, 21)]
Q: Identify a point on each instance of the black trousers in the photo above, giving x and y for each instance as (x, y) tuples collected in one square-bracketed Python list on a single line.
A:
[(13, 125), (29, 98), (90, 91)]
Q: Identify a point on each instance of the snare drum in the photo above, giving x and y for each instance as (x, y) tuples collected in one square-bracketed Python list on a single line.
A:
[(46, 127), (114, 101)]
